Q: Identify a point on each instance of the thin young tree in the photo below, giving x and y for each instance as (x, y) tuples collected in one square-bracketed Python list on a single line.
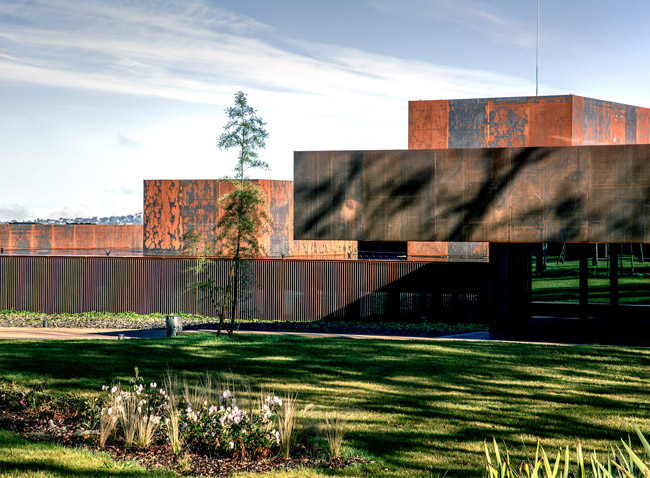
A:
[(243, 216)]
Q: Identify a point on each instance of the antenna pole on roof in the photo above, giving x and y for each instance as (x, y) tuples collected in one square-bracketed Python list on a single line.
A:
[(537, 56)]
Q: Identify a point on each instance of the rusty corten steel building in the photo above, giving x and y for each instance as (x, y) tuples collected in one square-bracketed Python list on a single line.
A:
[(513, 172), (70, 239), (567, 120), (484, 170), (173, 207)]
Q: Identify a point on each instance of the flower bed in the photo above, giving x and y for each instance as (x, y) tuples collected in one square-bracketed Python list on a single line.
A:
[(160, 427)]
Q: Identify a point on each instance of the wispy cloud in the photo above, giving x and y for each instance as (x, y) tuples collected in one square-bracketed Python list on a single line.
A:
[(128, 143), (483, 17), (195, 52)]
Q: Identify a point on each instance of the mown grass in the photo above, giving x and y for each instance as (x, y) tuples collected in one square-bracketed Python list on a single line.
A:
[(419, 408), (20, 458), (561, 284)]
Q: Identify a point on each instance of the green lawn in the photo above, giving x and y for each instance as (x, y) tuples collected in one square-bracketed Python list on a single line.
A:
[(560, 283), (420, 408)]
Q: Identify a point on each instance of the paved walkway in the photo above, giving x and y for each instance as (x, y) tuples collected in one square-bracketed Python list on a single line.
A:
[(51, 333), (40, 333)]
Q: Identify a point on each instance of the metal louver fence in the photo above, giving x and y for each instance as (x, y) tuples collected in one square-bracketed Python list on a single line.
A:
[(290, 290)]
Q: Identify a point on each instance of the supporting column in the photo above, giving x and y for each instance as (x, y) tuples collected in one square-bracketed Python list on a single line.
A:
[(584, 283), (613, 280), (510, 287)]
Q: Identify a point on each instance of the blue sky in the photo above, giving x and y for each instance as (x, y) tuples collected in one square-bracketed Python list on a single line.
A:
[(96, 96)]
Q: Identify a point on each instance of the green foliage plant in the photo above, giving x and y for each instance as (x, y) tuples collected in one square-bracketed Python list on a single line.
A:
[(243, 218), (620, 463)]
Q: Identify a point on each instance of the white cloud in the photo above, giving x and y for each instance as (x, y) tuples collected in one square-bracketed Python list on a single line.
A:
[(204, 58), (316, 96), (15, 212)]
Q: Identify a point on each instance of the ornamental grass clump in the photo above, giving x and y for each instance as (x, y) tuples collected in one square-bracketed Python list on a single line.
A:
[(134, 413), (293, 424), (171, 413), (334, 431)]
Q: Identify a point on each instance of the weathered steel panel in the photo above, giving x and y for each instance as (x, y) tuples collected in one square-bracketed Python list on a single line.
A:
[(524, 122), (404, 185), (561, 194), (173, 207), (448, 251), (604, 122), (550, 121), (73, 239), (643, 126), (428, 124), (619, 194), (468, 123), (507, 124)]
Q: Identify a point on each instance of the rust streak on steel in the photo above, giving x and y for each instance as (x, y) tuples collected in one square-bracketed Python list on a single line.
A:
[(173, 207)]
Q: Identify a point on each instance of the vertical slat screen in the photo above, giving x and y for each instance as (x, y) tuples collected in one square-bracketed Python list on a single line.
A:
[(288, 290)]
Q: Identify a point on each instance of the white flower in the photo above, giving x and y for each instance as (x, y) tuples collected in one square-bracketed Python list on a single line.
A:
[(162, 392), (226, 393), (153, 385), (118, 398), (110, 411), (114, 389), (104, 387), (232, 445)]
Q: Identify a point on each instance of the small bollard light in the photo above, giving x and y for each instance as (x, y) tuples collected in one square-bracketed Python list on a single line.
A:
[(45, 324), (174, 325), (120, 336)]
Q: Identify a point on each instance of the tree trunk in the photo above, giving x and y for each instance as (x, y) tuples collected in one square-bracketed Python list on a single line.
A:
[(226, 298), (632, 258), (235, 298), (562, 256), (641, 258), (594, 260)]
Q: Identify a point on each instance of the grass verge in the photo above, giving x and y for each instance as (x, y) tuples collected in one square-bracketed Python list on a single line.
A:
[(420, 408), (23, 459)]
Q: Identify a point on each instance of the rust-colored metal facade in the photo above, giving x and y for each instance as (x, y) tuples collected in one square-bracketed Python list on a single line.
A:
[(567, 120), (291, 290), (562, 194), (173, 207), (71, 239)]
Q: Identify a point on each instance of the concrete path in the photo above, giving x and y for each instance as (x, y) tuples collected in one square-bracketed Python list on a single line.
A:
[(51, 333), (40, 333)]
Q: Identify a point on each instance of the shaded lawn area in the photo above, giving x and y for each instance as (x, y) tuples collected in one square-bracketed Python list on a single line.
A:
[(421, 408)]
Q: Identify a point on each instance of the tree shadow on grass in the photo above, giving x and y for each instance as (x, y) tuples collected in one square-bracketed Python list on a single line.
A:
[(477, 390)]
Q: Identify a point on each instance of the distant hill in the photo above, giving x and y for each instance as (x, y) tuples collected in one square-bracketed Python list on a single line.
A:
[(135, 218)]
